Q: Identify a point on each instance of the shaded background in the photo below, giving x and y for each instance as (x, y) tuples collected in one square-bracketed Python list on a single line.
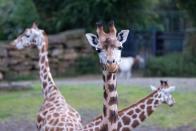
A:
[(157, 28)]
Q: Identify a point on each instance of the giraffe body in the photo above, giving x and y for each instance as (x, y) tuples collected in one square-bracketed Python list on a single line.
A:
[(55, 113)]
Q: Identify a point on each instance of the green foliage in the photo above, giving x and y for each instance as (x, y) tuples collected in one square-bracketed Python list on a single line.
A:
[(15, 16), (69, 14), (87, 65), (171, 65), (189, 6)]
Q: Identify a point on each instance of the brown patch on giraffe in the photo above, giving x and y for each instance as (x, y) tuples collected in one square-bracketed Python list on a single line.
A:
[(119, 126), (135, 123), (105, 95), (49, 116), (142, 116), (44, 84), (126, 129), (149, 101), (42, 59), (103, 76), (113, 116), (109, 76), (97, 129), (47, 129), (142, 106), (126, 120), (111, 87), (51, 109), (104, 111), (45, 112), (60, 124), (130, 112), (113, 100), (156, 102), (137, 110), (59, 129), (45, 76), (149, 110), (39, 118), (48, 105), (56, 114), (114, 77), (42, 67), (51, 98), (51, 121), (43, 50), (134, 116), (114, 130), (56, 121), (104, 127), (52, 129), (46, 64)]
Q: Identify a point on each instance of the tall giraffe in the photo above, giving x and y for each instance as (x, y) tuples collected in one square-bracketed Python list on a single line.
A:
[(132, 116), (55, 113), (109, 48)]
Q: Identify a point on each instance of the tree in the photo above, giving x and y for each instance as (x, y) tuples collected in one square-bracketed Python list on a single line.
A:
[(16, 16), (69, 14)]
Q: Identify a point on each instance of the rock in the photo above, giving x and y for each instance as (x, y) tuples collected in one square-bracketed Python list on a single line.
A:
[(70, 55), (57, 52), (1, 76), (75, 43)]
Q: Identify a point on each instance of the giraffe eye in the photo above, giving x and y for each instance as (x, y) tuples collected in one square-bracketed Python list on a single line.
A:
[(27, 35), (120, 48), (98, 50)]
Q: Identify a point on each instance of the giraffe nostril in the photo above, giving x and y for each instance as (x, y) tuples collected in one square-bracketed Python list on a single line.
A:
[(113, 61)]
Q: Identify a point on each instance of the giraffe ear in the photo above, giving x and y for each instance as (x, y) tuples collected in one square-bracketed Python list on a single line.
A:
[(122, 36), (92, 39), (170, 89), (153, 88)]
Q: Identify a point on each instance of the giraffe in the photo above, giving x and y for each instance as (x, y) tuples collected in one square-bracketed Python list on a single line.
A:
[(132, 116), (55, 113), (109, 48)]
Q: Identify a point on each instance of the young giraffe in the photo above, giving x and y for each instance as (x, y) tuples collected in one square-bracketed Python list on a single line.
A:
[(109, 48), (55, 113), (132, 116)]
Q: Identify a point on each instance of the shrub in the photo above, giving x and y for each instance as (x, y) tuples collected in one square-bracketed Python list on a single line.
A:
[(15, 17), (87, 65), (171, 65)]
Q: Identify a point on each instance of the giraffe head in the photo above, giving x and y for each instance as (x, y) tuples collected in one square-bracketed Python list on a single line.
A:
[(164, 93), (31, 36), (108, 45)]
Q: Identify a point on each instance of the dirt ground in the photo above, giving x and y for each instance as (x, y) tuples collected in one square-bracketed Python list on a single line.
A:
[(182, 84)]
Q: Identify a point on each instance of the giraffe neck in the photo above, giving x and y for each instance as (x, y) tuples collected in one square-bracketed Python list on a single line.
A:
[(46, 78), (110, 106), (134, 115)]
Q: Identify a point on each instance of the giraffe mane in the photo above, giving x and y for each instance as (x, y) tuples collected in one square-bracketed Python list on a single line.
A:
[(142, 100)]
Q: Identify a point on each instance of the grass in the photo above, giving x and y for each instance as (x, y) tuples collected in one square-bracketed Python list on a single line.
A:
[(25, 104)]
